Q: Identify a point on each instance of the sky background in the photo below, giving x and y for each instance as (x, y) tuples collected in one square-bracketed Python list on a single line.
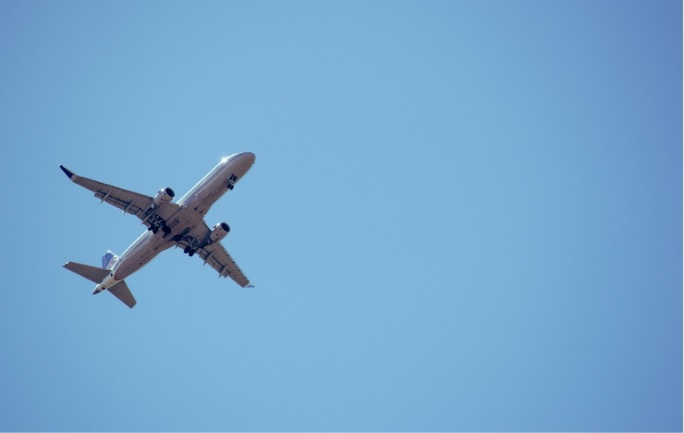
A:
[(464, 215)]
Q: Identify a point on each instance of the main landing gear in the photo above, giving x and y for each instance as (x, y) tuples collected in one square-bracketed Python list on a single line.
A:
[(164, 228), (156, 224), (192, 246)]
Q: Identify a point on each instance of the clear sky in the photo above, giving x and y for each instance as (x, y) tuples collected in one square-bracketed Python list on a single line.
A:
[(464, 215)]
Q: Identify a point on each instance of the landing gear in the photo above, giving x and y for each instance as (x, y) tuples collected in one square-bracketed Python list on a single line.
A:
[(156, 227), (231, 181), (192, 246), (156, 223)]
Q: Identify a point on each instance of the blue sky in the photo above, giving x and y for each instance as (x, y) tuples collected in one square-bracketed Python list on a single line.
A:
[(464, 215)]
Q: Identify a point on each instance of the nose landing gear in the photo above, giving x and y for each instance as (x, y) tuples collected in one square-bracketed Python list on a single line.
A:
[(231, 181)]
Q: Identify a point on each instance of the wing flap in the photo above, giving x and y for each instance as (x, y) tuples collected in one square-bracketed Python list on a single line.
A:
[(128, 201)]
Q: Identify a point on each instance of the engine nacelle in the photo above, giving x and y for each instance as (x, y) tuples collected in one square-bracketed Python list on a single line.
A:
[(164, 196), (219, 232)]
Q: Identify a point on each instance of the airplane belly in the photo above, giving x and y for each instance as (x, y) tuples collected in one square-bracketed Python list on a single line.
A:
[(140, 253)]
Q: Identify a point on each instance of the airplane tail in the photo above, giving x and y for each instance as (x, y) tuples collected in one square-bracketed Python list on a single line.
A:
[(109, 260), (97, 275)]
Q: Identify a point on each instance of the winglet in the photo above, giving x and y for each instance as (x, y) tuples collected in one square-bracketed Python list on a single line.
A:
[(66, 171)]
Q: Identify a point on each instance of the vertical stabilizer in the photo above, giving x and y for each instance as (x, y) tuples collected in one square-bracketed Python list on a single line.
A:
[(109, 260)]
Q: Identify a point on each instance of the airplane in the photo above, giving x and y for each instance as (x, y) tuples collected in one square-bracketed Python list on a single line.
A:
[(169, 224)]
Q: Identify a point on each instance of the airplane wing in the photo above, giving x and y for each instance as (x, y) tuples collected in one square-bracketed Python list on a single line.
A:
[(128, 201), (217, 257)]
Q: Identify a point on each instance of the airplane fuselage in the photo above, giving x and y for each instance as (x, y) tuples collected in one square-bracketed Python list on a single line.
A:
[(191, 210)]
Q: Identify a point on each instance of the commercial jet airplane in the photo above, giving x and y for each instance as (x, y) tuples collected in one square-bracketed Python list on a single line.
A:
[(168, 224)]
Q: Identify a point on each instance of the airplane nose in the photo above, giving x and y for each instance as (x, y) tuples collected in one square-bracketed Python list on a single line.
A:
[(249, 157)]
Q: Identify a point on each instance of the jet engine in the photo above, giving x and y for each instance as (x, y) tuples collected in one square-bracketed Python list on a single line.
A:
[(163, 196), (219, 232)]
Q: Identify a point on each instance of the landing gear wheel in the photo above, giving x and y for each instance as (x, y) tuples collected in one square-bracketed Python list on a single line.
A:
[(166, 229), (191, 253), (155, 229)]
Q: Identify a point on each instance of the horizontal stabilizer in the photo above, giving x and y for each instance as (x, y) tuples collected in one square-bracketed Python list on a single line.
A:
[(121, 291), (94, 274)]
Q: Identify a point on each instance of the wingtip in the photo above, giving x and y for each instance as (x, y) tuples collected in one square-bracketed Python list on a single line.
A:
[(66, 171)]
